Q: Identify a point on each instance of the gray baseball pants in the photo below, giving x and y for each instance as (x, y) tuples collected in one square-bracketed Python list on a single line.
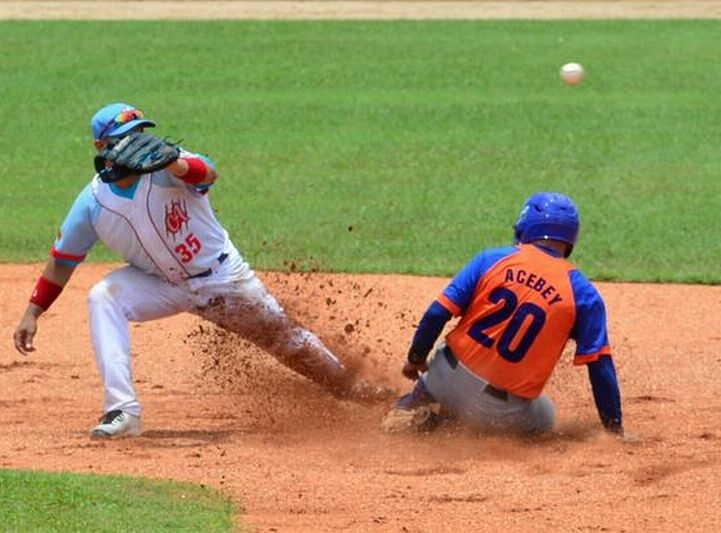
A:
[(480, 405)]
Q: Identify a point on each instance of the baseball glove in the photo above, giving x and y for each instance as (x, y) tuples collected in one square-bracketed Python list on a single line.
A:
[(137, 153)]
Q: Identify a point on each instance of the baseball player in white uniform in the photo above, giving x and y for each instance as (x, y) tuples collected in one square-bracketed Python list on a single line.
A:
[(179, 259)]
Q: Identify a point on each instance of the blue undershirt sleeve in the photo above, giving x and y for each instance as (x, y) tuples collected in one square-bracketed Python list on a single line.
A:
[(429, 328), (606, 394)]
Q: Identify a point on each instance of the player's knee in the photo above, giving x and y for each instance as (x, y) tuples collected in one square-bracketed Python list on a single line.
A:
[(100, 295), (543, 415)]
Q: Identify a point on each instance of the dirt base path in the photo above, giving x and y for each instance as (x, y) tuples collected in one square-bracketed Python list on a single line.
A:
[(199, 10), (221, 413)]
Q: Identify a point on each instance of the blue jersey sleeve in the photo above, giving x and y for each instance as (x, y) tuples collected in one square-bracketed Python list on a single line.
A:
[(590, 329), (463, 286), (77, 234)]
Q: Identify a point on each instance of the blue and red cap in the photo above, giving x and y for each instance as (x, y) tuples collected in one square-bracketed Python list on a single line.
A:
[(115, 119)]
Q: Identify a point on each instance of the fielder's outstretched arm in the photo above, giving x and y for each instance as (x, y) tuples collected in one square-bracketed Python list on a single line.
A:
[(47, 289), (193, 170)]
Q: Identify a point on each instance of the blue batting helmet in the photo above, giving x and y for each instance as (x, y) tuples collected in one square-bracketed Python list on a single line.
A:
[(548, 215)]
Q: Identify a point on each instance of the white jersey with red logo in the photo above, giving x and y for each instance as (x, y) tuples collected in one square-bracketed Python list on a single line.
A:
[(161, 225)]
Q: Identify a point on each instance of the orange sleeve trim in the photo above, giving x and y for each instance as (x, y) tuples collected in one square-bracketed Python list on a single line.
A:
[(584, 359), (448, 304)]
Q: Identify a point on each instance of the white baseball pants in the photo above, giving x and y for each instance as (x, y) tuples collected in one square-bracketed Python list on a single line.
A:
[(232, 297)]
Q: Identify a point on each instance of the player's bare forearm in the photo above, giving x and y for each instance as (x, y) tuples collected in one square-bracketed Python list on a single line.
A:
[(181, 167), (56, 274)]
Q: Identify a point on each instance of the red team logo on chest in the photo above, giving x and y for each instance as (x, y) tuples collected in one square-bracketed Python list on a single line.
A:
[(176, 217)]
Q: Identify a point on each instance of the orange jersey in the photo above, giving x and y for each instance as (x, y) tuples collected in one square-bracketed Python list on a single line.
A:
[(518, 317)]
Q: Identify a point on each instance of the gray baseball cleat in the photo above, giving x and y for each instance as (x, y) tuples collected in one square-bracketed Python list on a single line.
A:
[(117, 424), (419, 419)]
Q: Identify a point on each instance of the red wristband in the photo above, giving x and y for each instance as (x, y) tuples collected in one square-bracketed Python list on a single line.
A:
[(45, 293), (197, 171)]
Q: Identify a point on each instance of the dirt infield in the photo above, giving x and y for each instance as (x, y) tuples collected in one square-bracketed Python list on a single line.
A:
[(232, 418), (221, 413)]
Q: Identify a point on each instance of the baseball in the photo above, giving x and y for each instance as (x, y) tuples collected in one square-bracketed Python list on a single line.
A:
[(572, 73)]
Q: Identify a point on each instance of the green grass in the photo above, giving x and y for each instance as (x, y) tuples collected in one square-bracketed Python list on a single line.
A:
[(388, 146), (35, 501)]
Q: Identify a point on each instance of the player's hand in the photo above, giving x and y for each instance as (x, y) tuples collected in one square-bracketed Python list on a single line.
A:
[(25, 333), (630, 438), (621, 434), (412, 371)]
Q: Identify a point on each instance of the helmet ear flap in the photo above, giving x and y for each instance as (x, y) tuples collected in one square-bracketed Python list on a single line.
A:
[(520, 226), (517, 232)]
